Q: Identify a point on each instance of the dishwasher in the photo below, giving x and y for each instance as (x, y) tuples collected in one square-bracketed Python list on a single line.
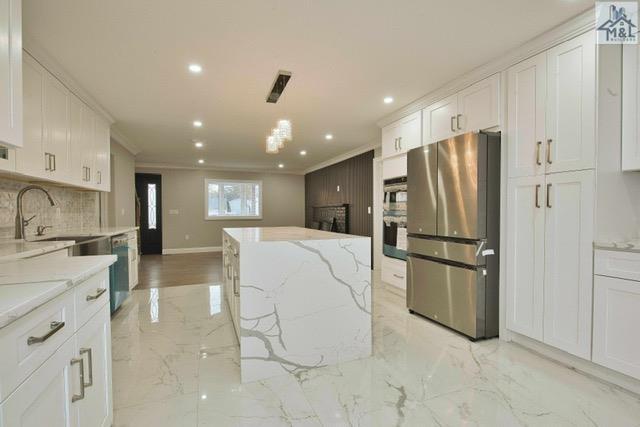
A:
[(118, 272)]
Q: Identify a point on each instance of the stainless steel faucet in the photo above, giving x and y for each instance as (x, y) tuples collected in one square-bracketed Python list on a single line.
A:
[(21, 223)]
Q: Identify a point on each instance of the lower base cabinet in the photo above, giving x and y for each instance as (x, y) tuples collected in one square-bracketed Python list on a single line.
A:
[(394, 272), (72, 387)]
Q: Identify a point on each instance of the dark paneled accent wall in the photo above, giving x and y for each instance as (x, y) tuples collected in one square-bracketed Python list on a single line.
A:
[(355, 178)]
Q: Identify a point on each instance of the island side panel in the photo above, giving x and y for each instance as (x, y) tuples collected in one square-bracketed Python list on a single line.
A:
[(303, 304)]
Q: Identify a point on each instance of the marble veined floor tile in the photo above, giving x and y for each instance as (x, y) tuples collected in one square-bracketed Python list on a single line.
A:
[(176, 363)]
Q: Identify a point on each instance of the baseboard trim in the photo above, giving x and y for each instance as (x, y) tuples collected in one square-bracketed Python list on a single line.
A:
[(176, 251)]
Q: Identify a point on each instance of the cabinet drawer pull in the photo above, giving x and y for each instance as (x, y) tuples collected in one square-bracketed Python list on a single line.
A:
[(89, 353), (97, 295), (452, 128), (54, 327), (54, 162), (537, 195), (47, 161), (79, 361), (398, 276), (549, 141), (236, 291), (538, 146), (458, 121), (548, 197), (399, 143)]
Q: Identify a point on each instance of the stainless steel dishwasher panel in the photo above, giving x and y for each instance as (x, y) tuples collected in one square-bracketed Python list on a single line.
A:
[(451, 295)]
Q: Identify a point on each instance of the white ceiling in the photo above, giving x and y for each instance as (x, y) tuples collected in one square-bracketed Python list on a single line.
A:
[(345, 55)]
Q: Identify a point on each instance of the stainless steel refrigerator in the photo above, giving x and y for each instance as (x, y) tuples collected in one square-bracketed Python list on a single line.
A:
[(453, 226)]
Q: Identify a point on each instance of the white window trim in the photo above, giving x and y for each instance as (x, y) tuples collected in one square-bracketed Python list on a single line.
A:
[(208, 181)]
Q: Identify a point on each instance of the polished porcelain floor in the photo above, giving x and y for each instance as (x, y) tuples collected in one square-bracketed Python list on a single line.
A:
[(175, 363)]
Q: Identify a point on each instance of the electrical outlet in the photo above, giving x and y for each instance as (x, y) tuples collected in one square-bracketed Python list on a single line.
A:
[(122, 212), (369, 210), (338, 188), (186, 237), (174, 211)]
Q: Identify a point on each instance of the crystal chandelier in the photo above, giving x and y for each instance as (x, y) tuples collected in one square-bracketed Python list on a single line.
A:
[(279, 135)]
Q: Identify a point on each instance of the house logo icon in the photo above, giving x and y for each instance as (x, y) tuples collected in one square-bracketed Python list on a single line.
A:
[(616, 22)]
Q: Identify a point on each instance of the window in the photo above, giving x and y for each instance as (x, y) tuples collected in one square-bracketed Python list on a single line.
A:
[(151, 208), (232, 199)]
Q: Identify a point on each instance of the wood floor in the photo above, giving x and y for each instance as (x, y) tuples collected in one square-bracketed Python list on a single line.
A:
[(158, 271)]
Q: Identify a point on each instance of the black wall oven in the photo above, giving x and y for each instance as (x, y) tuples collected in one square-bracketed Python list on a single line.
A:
[(395, 218)]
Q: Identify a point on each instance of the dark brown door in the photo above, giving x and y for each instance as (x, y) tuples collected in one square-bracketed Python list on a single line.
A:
[(149, 191)]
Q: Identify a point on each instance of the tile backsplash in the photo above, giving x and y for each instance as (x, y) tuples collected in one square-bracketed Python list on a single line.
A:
[(74, 209)]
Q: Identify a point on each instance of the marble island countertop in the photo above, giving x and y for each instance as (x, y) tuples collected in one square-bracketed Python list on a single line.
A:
[(13, 249), (283, 234), (627, 246)]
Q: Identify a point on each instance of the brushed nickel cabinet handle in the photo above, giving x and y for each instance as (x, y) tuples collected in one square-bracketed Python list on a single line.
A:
[(549, 141), (97, 295), (458, 121), (88, 352), (452, 128), (79, 361), (537, 195), (47, 161), (54, 162), (398, 276), (548, 193), (236, 291), (54, 327), (400, 143), (538, 146)]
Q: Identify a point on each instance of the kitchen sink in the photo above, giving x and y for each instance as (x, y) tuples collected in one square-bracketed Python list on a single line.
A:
[(77, 239)]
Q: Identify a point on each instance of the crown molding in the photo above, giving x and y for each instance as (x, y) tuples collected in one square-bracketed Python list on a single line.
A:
[(48, 62), (118, 137), (573, 27), (357, 151), (159, 166)]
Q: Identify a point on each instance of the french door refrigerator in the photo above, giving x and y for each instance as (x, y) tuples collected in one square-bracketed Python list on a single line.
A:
[(453, 226)]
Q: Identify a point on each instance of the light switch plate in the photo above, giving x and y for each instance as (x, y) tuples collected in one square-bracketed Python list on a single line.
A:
[(174, 212)]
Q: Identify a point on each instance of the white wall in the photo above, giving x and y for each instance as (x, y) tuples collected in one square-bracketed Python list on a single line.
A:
[(618, 193)]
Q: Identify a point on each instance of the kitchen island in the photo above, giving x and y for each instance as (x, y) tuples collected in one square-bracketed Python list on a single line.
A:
[(299, 298)]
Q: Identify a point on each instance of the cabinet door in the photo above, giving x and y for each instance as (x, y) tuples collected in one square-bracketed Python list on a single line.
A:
[(102, 175), (94, 347), (390, 135), (479, 105), (56, 119), (616, 308), (410, 132), (439, 120), (77, 171), (568, 283), (30, 159), (525, 255), (45, 397), (526, 102), (630, 107), (11, 72), (571, 84)]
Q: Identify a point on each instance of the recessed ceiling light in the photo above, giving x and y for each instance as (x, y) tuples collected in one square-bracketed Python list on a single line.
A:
[(201, 161), (303, 152), (328, 137), (280, 165), (195, 68), (199, 144), (197, 123), (387, 100)]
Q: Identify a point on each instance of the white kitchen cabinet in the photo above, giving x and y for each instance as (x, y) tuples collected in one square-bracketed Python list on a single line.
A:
[(94, 347), (394, 272), (525, 256), (102, 149), (571, 103), (11, 126), (630, 108), (551, 110), (474, 108), (7, 159), (568, 282), (45, 397), (394, 167), (550, 220), (402, 135), (526, 103), (56, 120), (81, 140), (30, 159), (133, 259)]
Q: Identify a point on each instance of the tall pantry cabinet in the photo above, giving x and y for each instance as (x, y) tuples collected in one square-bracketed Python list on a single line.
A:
[(550, 205)]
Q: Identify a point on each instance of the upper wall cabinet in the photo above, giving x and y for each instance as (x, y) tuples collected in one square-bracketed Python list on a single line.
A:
[(64, 139), (11, 72), (630, 107), (551, 110), (474, 108), (401, 136)]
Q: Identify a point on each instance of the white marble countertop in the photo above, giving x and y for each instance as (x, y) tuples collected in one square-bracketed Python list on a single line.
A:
[(71, 269), (18, 300), (628, 246), (279, 234), (93, 231)]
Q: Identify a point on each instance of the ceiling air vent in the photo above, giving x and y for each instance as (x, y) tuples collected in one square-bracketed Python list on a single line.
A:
[(278, 86)]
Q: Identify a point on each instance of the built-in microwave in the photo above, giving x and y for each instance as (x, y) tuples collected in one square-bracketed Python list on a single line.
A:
[(395, 218)]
